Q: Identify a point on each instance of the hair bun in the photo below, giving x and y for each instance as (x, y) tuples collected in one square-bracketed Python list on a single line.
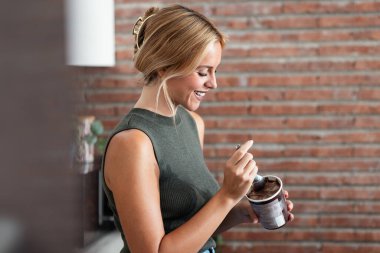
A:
[(151, 11)]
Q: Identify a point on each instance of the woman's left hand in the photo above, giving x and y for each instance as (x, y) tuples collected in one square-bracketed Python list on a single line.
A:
[(289, 205), (249, 216)]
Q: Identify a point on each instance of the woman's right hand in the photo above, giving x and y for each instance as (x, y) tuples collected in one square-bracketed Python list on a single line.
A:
[(239, 172)]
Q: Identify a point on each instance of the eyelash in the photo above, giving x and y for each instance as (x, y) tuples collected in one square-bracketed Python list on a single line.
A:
[(204, 74)]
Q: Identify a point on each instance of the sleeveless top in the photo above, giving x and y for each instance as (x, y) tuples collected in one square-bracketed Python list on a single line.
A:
[(185, 182)]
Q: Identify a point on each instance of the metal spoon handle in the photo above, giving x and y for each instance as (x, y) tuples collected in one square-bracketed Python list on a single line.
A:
[(258, 178)]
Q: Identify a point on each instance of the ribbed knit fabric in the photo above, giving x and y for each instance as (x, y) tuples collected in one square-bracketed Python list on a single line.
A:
[(185, 182)]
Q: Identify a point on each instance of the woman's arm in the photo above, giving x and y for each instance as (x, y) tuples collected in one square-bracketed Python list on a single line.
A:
[(132, 174), (242, 212)]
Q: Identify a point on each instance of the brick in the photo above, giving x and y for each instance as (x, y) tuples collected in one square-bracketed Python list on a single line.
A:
[(305, 36), (124, 54), (343, 21), (243, 95), (283, 52), (124, 40), (286, 22), (351, 236), (367, 65), (344, 221), (369, 94), (367, 207), (312, 7), (350, 193), (235, 52), (322, 165), (305, 193), (283, 109), (236, 23), (363, 6), (304, 235), (124, 26), (367, 122), (333, 180), (223, 110), (230, 81), (319, 152), (283, 80), (273, 248), (110, 124), (351, 248), (347, 50), (298, 152), (346, 94), (317, 206), (129, 12), (349, 80), (253, 236), (122, 110), (320, 123), (367, 152), (241, 123), (323, 65), (247, 9), (330, 7), (344, 109), (307, 166), (358, 137)]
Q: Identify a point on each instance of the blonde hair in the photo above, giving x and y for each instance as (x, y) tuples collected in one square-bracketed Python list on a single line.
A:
[(172, 40)]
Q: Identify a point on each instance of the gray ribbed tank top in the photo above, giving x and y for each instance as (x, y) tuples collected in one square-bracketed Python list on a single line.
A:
[(185, 182)]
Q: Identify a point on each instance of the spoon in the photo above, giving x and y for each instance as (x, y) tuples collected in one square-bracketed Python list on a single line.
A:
[(259, 181)]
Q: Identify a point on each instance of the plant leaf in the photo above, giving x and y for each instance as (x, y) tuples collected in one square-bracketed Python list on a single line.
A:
[(90, 139), (97, 127)]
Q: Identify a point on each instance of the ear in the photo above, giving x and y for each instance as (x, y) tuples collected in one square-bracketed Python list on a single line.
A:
[(161, 73)]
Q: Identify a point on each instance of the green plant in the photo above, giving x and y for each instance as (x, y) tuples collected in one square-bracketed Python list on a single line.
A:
[(96, 129), (93, 138), (89, 142)]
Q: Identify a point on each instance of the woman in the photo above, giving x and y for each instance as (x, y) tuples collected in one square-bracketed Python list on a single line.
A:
[(163, 197)]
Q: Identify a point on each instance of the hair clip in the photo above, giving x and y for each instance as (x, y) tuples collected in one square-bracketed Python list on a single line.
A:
[(137, 28)]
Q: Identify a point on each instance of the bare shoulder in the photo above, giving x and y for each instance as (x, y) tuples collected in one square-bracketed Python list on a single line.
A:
[(127, 154), (132, 138)]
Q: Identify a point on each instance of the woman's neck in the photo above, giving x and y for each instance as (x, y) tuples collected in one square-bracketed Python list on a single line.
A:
[(148, 100)]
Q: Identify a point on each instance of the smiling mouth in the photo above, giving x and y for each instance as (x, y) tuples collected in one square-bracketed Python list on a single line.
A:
[(200, 93)]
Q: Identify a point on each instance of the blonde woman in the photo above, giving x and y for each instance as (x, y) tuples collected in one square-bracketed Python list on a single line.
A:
[(163, 197)]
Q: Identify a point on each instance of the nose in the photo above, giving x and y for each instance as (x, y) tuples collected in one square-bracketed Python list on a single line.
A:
[(211, 83)]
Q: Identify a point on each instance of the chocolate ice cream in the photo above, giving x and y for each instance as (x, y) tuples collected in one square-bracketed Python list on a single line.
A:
[(271, 187)]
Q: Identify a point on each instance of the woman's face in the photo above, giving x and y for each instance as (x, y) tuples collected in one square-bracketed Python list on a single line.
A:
[(190, 90)]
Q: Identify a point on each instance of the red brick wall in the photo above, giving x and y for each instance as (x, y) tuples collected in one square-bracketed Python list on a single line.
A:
[(301, 78)]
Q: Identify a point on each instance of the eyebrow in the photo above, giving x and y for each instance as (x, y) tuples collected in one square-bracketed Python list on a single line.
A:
[(204, 66)]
